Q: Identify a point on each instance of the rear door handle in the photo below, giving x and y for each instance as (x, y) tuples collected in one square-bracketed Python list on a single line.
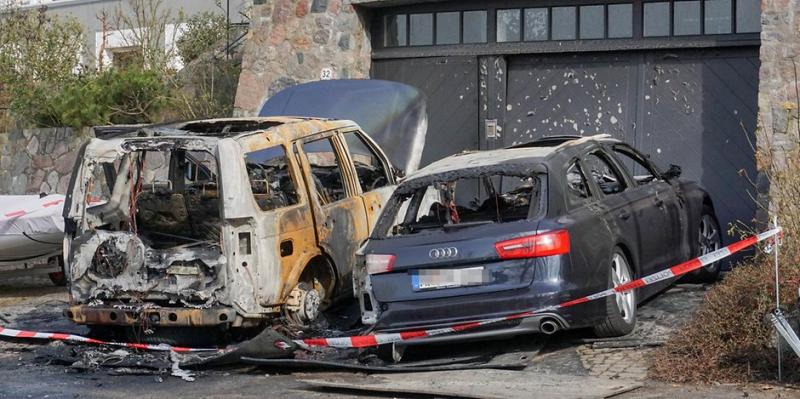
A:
[(624, 215)]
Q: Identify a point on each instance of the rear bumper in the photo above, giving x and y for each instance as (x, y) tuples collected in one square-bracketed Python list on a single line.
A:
[(155, 316), (499, 330)]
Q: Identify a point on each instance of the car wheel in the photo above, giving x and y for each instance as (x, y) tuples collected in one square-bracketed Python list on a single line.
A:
[(620, 307), (709, 240), (303, 305)]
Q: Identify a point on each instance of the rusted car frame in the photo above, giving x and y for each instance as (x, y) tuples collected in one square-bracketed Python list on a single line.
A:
[(249, 219)]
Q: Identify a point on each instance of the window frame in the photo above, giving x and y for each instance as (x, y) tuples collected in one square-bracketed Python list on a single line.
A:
[(345, 170), (635, 155), (572, 201), (376, 151), (299, 188), (603, 155)]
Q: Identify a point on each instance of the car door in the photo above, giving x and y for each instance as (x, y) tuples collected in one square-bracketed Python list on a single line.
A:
[(655, 209), (373, 172), (339, 217), (610, 185)]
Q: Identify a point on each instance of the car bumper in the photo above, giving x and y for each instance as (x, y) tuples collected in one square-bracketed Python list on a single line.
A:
[(155, 316)]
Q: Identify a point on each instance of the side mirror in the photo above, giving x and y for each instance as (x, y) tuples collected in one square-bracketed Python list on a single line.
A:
[(673, 172)]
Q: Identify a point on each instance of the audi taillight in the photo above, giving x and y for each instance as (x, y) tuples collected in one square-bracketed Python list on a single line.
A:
[(536, 245), (380, 263)]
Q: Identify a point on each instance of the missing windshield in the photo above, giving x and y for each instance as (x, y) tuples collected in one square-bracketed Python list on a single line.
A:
[(467, 201)]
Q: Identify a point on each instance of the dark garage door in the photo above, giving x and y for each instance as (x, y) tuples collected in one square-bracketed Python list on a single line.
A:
[(451, 87), (694, 108)]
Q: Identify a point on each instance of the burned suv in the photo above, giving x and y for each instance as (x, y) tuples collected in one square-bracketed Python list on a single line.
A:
[(220, 223)]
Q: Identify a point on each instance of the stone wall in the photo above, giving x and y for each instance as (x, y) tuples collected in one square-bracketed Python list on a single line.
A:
[(780, 68), (291, 41), (34, 161)]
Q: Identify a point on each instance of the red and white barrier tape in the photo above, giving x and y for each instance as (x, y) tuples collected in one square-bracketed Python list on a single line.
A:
[(363, 341), (35, 208)]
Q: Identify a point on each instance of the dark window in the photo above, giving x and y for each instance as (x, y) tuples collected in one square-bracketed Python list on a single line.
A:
[(326, 170), (607, 178), (577, 189), (564, 23), (421, 29), (620, 21), (369, 168), (270, 179), (396, 26), (474, 27), (656, 19), (717, 17), (748, 16), (508, 25), (448, 27), (640, 170), (687, 18), (537, 24), (593, 22)]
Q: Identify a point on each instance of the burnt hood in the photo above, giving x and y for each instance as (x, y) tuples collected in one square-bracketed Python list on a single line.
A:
[(393, 114)]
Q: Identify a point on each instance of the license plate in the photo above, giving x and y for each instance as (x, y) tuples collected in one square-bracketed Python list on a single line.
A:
[(435, 279)]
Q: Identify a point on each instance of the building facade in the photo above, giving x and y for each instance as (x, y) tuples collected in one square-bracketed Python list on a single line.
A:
[(106, 45)]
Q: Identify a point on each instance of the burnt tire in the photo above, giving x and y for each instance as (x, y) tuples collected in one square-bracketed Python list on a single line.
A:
[(621, 307), (710, 239)]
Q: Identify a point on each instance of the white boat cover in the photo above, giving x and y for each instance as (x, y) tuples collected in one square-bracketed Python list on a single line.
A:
[(31, 215)]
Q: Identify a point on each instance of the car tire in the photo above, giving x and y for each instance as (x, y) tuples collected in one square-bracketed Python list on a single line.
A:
[(620, 307), (710, 239)]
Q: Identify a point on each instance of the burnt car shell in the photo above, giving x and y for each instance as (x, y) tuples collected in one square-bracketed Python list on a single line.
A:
[(392, 301)]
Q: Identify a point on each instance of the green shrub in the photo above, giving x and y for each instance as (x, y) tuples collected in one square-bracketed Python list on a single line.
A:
[(204, 31)]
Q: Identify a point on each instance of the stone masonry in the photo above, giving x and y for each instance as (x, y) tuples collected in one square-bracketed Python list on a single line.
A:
[(34, 161), (291, 41)]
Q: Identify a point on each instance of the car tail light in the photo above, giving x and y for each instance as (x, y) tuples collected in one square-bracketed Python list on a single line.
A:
[(380, 263), (543, 244)]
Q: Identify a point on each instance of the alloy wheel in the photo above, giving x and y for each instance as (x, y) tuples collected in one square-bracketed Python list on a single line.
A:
[(709, 237), (621, 274)]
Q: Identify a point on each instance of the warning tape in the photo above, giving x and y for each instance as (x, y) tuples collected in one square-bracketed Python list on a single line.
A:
[(363, 341), (32, 209)]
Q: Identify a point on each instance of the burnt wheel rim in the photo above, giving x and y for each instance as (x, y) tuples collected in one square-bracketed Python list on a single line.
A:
[(709, 238), (621, 274)]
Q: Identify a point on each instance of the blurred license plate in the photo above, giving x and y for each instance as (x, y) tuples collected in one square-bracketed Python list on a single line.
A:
[(434, 279)]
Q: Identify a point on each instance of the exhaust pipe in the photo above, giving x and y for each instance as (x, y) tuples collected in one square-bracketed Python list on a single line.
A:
[(548, 326)]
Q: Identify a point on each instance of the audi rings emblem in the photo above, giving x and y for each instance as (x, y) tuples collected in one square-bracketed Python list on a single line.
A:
[(443, 253)]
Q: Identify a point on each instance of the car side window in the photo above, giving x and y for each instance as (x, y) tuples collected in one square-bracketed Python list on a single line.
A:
[(577, 189), (325, 170), (270, 179), (369, 168), (639, 170), (597, 167)]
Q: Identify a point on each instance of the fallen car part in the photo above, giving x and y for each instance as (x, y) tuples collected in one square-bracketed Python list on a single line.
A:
[(785, 330), (462, 364), (364, 341), (151, 316)]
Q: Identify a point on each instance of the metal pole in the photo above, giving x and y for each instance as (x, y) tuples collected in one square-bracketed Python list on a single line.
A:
[(228, 29), (778, 298)]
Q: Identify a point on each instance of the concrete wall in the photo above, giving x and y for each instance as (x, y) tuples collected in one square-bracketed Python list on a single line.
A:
[(291, 41), (34, 161)]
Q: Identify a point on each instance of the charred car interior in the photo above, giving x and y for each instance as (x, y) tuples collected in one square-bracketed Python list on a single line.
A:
[(222, 223)]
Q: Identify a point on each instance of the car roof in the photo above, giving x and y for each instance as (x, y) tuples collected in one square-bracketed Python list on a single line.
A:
[(288, 127), (531, 153)]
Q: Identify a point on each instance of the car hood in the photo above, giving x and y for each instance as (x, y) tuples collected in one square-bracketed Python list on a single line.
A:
[(393, 114)]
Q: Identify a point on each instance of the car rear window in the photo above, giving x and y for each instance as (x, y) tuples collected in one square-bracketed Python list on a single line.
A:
[(465, 202)]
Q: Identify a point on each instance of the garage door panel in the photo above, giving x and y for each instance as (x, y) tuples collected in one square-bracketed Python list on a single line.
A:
[(570, 95), (450, 87), (693, 117)]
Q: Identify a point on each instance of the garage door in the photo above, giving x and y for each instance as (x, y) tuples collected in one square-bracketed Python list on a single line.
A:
[(694, 108), (450, 85)]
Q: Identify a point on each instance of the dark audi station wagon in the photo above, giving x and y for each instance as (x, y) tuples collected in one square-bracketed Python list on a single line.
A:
[(487, 234)]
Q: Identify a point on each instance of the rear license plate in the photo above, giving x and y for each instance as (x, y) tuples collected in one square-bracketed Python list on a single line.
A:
[(435, 279)]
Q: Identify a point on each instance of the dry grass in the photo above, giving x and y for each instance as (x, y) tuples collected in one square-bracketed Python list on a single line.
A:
[(729, 339)]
